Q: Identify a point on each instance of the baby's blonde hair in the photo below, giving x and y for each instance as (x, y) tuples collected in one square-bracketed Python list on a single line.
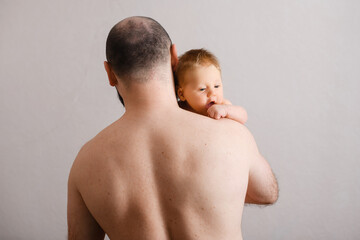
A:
[(191, 59)]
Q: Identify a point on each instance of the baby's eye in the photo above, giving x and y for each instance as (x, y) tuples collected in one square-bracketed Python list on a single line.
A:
[(202, 89), (217, 86)]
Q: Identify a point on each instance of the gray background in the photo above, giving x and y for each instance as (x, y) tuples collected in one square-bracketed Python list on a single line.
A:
[(294, 65)]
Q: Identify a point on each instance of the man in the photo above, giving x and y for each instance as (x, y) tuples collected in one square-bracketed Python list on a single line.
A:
[(160, 172)]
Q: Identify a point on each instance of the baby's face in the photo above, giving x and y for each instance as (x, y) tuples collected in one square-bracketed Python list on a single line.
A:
[(201, 88)]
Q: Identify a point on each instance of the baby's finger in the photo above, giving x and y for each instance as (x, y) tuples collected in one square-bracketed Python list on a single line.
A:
[(210, 113), (217, 115)]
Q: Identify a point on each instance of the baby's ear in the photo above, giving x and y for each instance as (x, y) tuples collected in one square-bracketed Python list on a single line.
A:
[(180, 93)]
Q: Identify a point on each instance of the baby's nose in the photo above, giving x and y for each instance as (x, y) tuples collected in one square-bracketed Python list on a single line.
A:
[(211, 93)]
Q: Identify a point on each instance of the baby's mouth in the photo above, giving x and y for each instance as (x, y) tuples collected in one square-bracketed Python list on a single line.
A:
[(210, 104)]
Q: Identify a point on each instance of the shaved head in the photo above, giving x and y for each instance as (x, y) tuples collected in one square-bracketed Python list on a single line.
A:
[(135, 46)]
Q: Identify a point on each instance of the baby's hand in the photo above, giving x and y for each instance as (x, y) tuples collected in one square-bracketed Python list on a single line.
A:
[(217, 111)]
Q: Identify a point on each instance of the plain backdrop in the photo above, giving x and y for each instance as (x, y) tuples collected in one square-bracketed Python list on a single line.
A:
[(294, 65)]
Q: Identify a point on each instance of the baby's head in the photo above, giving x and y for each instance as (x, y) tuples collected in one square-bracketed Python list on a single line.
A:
[(198, 80)]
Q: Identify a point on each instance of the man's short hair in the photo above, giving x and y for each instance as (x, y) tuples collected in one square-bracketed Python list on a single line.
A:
[(136, 45), (193, 58)]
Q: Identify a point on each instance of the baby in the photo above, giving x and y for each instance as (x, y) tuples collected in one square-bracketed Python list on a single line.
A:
[(199, 87)]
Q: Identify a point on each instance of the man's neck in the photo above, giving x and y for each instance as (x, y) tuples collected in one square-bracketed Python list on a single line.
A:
[(154, 96)]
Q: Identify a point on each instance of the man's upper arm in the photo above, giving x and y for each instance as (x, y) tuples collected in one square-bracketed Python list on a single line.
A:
[(81, 224), (262, 186)]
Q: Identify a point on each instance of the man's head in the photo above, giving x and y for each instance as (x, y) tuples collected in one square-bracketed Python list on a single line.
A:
[(198, 80), (135, 48)]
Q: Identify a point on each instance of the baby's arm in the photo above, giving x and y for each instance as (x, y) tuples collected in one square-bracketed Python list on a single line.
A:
[(227, 110)]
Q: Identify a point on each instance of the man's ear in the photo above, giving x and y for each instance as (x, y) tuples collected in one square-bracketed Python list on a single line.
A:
[(174, 57), (112, 79), (180, 93)]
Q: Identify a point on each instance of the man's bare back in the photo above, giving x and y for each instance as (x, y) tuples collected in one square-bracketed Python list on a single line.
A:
[(161, 172), (173, 176)]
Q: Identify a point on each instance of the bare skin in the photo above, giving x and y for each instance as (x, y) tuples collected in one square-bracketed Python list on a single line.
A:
[(161, 172)]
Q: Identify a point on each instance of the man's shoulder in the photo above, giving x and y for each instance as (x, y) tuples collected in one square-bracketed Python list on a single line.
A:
[(85, 155), (223, 124), (223, 128), (231, 126), (106, 136), (235, 131), (90, 160), (95, 148)]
